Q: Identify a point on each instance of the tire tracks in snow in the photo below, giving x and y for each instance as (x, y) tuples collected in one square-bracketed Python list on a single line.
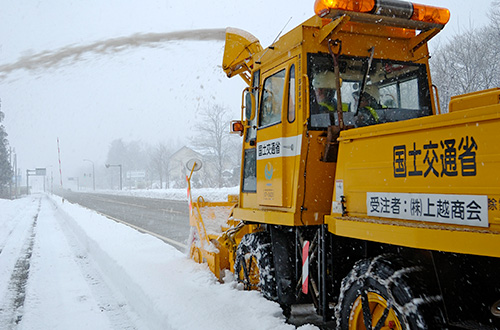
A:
[(12, 310), (11, 224), (146, 313), (21, 256), (110, 300)]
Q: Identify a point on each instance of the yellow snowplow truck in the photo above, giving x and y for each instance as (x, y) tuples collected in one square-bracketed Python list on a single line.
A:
[(357, 194)]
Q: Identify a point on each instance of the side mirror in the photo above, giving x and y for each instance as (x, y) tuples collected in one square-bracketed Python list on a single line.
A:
[(249, 105), (236, 127)]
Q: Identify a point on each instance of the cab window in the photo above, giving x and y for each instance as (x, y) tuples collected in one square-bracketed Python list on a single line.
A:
[(291, 95), (374, 92), (272, 97), (250, 171)]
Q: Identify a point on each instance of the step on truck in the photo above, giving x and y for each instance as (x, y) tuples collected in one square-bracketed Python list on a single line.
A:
[(358, 195)]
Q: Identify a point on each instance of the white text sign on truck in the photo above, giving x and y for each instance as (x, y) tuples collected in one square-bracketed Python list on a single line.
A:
[(469, 210)]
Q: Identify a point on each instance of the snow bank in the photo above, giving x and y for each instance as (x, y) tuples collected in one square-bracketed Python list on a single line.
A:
[(209, 194), (165, 288)]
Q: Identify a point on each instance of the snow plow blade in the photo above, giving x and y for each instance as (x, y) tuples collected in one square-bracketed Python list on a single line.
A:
[(211, 239)]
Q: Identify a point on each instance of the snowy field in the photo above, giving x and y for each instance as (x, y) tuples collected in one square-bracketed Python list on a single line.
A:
[(66, 267)]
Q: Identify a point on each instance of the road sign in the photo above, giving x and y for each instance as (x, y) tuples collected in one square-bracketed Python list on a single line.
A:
[(136, 174)]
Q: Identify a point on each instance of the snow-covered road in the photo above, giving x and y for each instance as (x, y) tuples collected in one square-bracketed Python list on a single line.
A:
[(66, 267)]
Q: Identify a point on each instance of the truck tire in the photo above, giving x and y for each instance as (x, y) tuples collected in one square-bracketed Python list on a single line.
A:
[(254, 264), (386, 292)]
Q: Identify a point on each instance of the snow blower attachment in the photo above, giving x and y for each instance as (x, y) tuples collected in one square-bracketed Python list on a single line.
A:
[(238, 53), (355, 190), (214, 233), (209, 221)]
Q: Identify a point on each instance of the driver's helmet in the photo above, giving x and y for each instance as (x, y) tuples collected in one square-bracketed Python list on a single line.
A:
[(324, 79)]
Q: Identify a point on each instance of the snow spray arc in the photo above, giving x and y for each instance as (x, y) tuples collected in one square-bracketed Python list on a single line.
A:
[(71, 54)]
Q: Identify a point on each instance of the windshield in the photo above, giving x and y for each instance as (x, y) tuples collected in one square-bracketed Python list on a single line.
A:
[(393, 91)]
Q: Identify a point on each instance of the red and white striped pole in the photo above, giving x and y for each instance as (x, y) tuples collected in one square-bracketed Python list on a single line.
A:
[(190, 199), (305, 267)]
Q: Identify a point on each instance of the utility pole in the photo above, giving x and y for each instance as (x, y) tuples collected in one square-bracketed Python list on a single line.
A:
[(15, 174), (119, 165), (93, 171), (28, 173), (10, 181)]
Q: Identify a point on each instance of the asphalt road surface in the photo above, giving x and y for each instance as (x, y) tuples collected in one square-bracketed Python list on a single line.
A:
[(165, 219)]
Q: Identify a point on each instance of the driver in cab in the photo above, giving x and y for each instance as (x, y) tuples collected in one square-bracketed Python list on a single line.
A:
[(366, 111), (325, 86)]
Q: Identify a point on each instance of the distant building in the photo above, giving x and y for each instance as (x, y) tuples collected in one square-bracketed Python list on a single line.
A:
[(206, 176), (178, 170)]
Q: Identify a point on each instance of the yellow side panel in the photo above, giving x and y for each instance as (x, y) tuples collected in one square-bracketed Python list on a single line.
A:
[(442, 170), (418, 236), (269, 180), (474, 100), (276, 159), (265, 216)]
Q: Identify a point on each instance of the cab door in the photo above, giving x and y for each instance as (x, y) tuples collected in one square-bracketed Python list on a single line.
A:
[(277, 140)]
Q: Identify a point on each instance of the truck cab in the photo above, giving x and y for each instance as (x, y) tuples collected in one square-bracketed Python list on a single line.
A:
[(377, 73)]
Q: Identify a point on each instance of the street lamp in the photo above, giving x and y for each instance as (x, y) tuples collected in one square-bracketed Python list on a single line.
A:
[(108, 166), (93, 171)]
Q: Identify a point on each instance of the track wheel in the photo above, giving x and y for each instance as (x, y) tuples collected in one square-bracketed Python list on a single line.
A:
[(384, 293), (254, 266)]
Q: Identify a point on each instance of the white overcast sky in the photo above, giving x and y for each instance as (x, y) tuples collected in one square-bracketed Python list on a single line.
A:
[(144, 93)]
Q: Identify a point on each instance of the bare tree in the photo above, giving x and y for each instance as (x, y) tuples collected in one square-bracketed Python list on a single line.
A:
[(132, 156), (494, 15), (493, 35), (214, 140), (5, 167), (159, 161), (469, 62)]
